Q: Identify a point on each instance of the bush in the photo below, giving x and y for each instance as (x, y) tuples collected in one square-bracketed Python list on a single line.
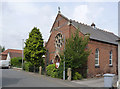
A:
[(28, 66), (77, 76), (60, 69), (16, 62), (52, 71)]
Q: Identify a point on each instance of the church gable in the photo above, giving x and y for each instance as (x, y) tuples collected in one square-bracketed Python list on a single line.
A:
[(59, 22)]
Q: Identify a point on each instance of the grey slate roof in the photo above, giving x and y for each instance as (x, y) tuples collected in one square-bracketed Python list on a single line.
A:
[(96, 34)]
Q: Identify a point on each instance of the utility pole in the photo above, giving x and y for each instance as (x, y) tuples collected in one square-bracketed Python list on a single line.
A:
[(64, 61), (22, 51)]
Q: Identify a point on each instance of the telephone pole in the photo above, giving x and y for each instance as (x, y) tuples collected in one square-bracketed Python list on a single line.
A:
[(22, 52)]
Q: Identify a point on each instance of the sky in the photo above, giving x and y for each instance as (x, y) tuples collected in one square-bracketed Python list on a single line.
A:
[(18, 18)]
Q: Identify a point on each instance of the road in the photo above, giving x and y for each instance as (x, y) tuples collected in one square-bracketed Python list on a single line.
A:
[(17, 78)]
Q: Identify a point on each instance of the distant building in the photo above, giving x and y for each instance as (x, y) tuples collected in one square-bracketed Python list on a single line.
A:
[(103, 45), (10, 53)]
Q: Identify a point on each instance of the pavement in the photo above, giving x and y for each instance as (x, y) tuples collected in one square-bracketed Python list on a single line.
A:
[(92, 82), (95, 82)]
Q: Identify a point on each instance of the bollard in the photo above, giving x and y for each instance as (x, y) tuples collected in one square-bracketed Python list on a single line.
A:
[(69, 74), (40, 70)]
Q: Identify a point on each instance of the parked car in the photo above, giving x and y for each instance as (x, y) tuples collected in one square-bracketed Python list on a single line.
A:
[(4, 63)]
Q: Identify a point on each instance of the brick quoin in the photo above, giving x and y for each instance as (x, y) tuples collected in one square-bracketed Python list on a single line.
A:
[(63, 26)]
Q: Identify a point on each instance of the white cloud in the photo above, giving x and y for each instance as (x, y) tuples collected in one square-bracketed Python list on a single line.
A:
[(87, 14), (20, 18), (0, 23), (80, 13), (60, 0), (22, 8), (97, 13)]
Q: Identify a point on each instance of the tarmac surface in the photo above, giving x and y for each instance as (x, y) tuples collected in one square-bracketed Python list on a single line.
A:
[(19, 78)]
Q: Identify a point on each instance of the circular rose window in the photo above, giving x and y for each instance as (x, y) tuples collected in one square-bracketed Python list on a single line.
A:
[(58, 40)]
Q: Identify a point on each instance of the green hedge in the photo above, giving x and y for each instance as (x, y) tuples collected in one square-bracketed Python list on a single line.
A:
[(58, 73), (77, 76), (52, 71), (16, 62), (28, 66)]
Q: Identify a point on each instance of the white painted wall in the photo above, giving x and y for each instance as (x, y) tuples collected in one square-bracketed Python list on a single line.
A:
[(8, 56)]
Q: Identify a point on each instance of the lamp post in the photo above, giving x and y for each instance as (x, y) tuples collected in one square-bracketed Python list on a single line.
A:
[(22, 52)]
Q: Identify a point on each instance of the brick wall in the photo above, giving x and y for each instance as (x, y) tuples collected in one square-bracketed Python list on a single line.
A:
[(63, 29), (104, 48), (104, 53)]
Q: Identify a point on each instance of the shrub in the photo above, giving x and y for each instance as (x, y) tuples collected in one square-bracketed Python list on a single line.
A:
[(77, 76), (16, 62), (28, 66), (52, 71), (60, 69)]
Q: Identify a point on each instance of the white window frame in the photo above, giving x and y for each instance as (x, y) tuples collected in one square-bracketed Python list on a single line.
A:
[(110, 58), (97, 58)]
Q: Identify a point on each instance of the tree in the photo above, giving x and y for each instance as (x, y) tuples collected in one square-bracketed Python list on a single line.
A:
[(34, 49), (16, 62), (76, 52), (2, 49)]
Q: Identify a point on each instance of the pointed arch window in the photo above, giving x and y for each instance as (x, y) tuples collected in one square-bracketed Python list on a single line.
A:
[(58, 40), (110, 59), (97, 57)]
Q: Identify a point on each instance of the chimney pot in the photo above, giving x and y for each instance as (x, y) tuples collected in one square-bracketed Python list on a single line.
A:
[(93, 25)]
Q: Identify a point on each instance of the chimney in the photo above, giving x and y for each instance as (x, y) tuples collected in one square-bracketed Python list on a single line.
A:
[(93, 25)]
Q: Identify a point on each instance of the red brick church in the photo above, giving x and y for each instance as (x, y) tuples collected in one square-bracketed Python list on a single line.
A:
[(104, 54)]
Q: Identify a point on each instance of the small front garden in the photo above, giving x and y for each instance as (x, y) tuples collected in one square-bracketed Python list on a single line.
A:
[(76, 55)]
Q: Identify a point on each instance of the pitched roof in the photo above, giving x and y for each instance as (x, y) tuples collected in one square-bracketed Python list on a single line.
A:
[(11, 51), (95, 33)]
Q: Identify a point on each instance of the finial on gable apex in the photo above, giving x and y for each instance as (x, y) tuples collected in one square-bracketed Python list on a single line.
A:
[(59, 10)]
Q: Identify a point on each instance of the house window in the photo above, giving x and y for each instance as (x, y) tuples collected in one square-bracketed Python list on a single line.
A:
[(97, 57), (110, 59)]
